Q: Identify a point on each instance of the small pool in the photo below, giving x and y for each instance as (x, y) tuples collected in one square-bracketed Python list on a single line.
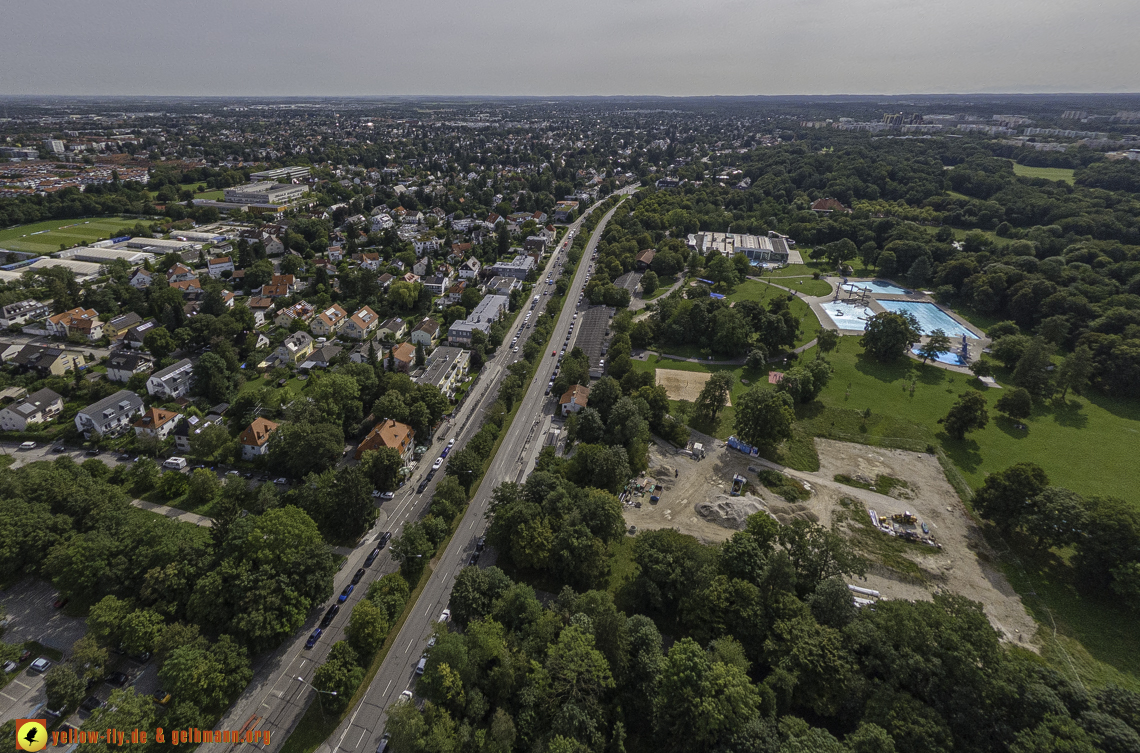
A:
[(875, 287), (848, 315), (929, 317), (952, 358)]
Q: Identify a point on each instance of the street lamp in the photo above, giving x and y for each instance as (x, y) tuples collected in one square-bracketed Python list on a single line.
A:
[(314, 687)]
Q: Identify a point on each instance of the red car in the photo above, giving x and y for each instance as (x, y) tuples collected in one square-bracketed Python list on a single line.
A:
[(553, 352), (61, 602)]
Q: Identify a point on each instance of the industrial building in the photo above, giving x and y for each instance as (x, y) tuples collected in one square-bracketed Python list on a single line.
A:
[(771, 249), (265, 193)]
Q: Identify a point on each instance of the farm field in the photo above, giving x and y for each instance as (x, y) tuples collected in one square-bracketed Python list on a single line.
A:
[(45, 237), (1063, 174)]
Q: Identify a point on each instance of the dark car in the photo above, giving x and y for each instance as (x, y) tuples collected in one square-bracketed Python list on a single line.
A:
[(480, 543), (316, 636), (90, 703), (384, 539), (92, 453), (60, 603), (328, 618), (25, 655), (345, 593), (383, 746), (359, 574), (422, 486), (474, 559), (372, 557), (118, 679)]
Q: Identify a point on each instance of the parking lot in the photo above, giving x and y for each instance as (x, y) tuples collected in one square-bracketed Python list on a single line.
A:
[(590, 334)]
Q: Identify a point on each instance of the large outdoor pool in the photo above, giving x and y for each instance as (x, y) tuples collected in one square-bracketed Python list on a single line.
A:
[(876, 287), (954, 358), (929, 317), (847, 315)]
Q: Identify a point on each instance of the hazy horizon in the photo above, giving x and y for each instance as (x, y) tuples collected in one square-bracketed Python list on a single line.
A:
[(630, 48)]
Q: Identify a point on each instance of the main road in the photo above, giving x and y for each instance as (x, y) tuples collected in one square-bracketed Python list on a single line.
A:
[(281, 691)]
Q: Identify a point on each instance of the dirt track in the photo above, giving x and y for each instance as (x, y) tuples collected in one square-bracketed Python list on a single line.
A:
[(698, 496)]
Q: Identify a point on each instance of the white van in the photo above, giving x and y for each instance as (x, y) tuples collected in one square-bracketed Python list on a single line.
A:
[(175, 464)]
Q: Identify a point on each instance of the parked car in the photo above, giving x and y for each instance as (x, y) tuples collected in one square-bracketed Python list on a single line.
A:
[(118, 679), (633, 530), (90, 703), (384, 539), (10, 666), (316, 636), (345, 593), (388, 495), (359, 574), (27, 445), (60, 603), (161, 697), (421, 665), (282, 480), (473, 559), (445, 616), (406, 695), (329, 615), (92, 453), (437, 464), (383, 746), (480, 543)]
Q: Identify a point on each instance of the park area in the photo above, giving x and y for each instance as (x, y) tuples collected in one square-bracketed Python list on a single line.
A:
[(1063, 174), (45, 237)]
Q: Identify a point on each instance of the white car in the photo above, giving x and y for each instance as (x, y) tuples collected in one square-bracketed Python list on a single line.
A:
[(436, 465), (27, 445), (406, 696), (281, 480), (451, 442), (445, 616)]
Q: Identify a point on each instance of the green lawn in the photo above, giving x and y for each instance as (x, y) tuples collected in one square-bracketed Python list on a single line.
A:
[(762, 292), (803, 285), (45, 237), (1063, 174), (215, 194)]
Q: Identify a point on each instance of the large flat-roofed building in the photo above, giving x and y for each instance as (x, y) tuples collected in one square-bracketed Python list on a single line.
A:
[(518, 268), (446, 369), (758, 248), (265, 193), (280, 173)]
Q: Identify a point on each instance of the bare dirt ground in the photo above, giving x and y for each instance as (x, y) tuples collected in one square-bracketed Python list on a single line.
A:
[(696, 501), (683, 385)]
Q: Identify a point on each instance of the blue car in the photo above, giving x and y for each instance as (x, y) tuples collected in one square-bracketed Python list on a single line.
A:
[(445, 451), (316, 636), (344, 594)]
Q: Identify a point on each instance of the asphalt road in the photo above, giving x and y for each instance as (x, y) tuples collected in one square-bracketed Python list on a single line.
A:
[(280, 691), (364, 727)]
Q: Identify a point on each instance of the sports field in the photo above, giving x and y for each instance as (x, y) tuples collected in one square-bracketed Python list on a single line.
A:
[(1063, 174), (45, 237), (683, 385)]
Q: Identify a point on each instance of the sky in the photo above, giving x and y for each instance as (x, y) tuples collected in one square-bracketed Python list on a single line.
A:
[(585, 47)]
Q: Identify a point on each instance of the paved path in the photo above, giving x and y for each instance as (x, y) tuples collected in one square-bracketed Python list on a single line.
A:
[(173, 512)]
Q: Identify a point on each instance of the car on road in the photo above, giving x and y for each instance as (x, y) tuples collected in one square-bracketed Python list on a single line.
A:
[(161, 697), (451, 442), (282, 480), (384, 538), (27, 445), (553, 353), (406, 695), (445, 616), (372, 557), (445, 451), (388, 495), (422, 486), (421, 665), (316, 636), (90, 703), (383, 746), (328, 618), (118, 679), (358, 575), (345, 593)]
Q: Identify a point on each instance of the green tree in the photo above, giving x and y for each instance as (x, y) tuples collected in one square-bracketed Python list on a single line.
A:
[(889, 335), (714, 396), (298, 449), (125, 710), (213, 379), (827, 340), (208, 678), (764, 417), (160, 343), (140, 630), (649, 283), (64, 688), (204, 488), (173, 485), (1016, 403), (382, 467), (367, 628), (338, 677), (1074, 371), (1005, 495), (967, 414), (475, 591), (412, 550), (936, 344), (732, 333), (1033, 369)]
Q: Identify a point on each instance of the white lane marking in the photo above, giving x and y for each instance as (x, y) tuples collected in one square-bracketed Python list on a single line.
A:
[(410, 642)]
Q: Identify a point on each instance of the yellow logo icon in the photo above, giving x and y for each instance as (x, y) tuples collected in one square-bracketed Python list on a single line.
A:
[(31, 735)]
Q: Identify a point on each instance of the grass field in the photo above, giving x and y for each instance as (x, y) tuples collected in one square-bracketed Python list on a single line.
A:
[(215, 194), (762, 292), (45, 237), (1063, 174)]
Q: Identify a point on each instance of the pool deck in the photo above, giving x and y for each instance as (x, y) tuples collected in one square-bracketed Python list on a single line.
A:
[(975, 346)]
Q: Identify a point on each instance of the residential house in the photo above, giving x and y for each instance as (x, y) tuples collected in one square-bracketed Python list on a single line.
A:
[(469, 269), (36, 408), (135, 336), (329, 321), (22, 312), (403, 357), (411, 277), (173, 381), (421, 267), (255, 439), (488, 311), (361, 324), (425, 333), (180, 273), (575, 399), (295, 347), (504, 285), (215, 267), (518, 268), (335, 253), (156, 423), (321, 357), (141, 279), (412, 217), (121, 324), (369, 261), (446, 369), (426, 244), (389, 433), (385, 280), (645, 258), (828, 205), (271, 291), (187, 286), (43, 360), (454, 294), (392, 329), (261, 307), (251, 340), (301, 311), (535, 243), (564, 210), (81, 321), (360, 354), (192, 427), (459, 252), (110, 416), (289, 281), (124, 364), (437, 284)]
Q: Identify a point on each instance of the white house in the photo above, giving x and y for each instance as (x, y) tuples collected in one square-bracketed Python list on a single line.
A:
[(124, 364), (215, 267), (173, 381), (42, 405), (111, 416)]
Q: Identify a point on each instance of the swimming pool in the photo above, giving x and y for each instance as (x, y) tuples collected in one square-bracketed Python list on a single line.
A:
[(847, 315), (876, 287), (953, 358), (929, 317)]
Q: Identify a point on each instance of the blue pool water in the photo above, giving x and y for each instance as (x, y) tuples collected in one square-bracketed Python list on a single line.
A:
[(848, 316), (876, 287), (952, 358), (929, 317)]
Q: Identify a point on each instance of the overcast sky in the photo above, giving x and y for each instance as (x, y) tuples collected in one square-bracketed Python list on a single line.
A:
[(537, 47)]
